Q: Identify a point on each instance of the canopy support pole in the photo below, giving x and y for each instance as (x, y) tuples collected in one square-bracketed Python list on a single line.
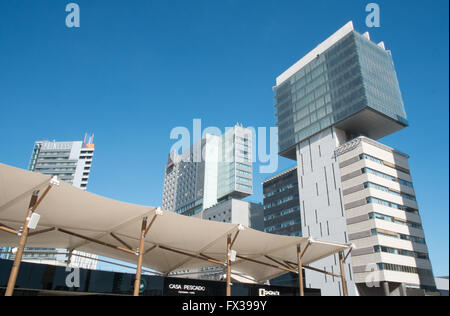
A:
[(300, 270), (278, 262), (137, 282), (42, 231), (97, 241), (192, 256), (34, 203), (267, 264), (151, 224), (344, 282), (8, 230), (229, 264), (234, 239), (316, 270), (121, 241), (69, 257), (348, 254)]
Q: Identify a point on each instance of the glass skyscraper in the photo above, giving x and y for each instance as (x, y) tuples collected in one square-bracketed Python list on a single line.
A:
[(331, 107), (349, 83), (223, 172)]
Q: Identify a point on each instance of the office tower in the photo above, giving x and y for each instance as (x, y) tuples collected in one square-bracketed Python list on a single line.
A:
[(70, 162), (208, 181), (345, 88), (215, 169), (383, 218), (282, 204)]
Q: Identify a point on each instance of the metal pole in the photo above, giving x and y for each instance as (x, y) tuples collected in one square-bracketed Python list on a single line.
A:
[(344, 282), (137, 282), (69, 257), (228, 265), (300, 271), (21, 248)]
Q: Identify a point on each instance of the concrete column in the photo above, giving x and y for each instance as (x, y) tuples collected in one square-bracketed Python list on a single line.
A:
[(386, 290)]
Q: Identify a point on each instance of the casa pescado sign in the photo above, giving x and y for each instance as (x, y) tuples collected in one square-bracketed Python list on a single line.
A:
[(187, 288)]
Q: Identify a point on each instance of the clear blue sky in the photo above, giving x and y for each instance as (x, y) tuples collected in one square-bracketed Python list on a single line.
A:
[(136, 69)]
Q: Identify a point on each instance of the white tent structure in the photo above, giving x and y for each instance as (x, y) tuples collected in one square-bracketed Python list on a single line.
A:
[(163, 241)]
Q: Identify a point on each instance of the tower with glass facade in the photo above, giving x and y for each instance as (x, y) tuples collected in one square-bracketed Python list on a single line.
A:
[(224, 172), (345, 92)]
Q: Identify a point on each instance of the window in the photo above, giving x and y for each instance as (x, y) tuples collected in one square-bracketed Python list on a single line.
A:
[(282, 225), (394, 220), (386, 176), (401, 252), (385, 189), (283, 213), (397, 235), (393, 205)]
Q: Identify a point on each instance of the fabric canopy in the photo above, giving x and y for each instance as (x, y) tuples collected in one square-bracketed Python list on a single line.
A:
[(68, 209)]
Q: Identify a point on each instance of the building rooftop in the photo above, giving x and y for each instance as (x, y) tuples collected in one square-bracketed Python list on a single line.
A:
[(349, 82)]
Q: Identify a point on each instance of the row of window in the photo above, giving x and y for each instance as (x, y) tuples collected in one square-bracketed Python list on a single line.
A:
[(244, 159), (282, 189), (394, 220), (243, 186), (385, 189), (243, 172), (68, 163), (282, 213), (399, 268), (281, 201), (47, 153), (55, 169), (379, 161), (386, 176), (52, 158), (415, 239), (371, 199), (243, 165), (282, 225), (371, 158), (244, 179), (188, 206), (401, 252)]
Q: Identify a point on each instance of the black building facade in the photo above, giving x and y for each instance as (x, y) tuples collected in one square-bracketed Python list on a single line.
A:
[(42, 280), (282, 204)]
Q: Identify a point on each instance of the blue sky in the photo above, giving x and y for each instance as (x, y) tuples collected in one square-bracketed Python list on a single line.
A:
[(136, 69)]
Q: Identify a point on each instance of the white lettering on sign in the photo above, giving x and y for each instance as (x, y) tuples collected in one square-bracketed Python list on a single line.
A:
[(187, 287), (264, 292)]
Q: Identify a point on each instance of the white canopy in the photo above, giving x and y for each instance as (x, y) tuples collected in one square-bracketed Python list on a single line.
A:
[(67, 213)]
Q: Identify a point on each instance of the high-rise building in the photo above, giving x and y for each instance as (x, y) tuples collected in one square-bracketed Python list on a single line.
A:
[(282, 204), (345, 88), (70, 162), (215, 169), (209, 181), (383, 218)]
